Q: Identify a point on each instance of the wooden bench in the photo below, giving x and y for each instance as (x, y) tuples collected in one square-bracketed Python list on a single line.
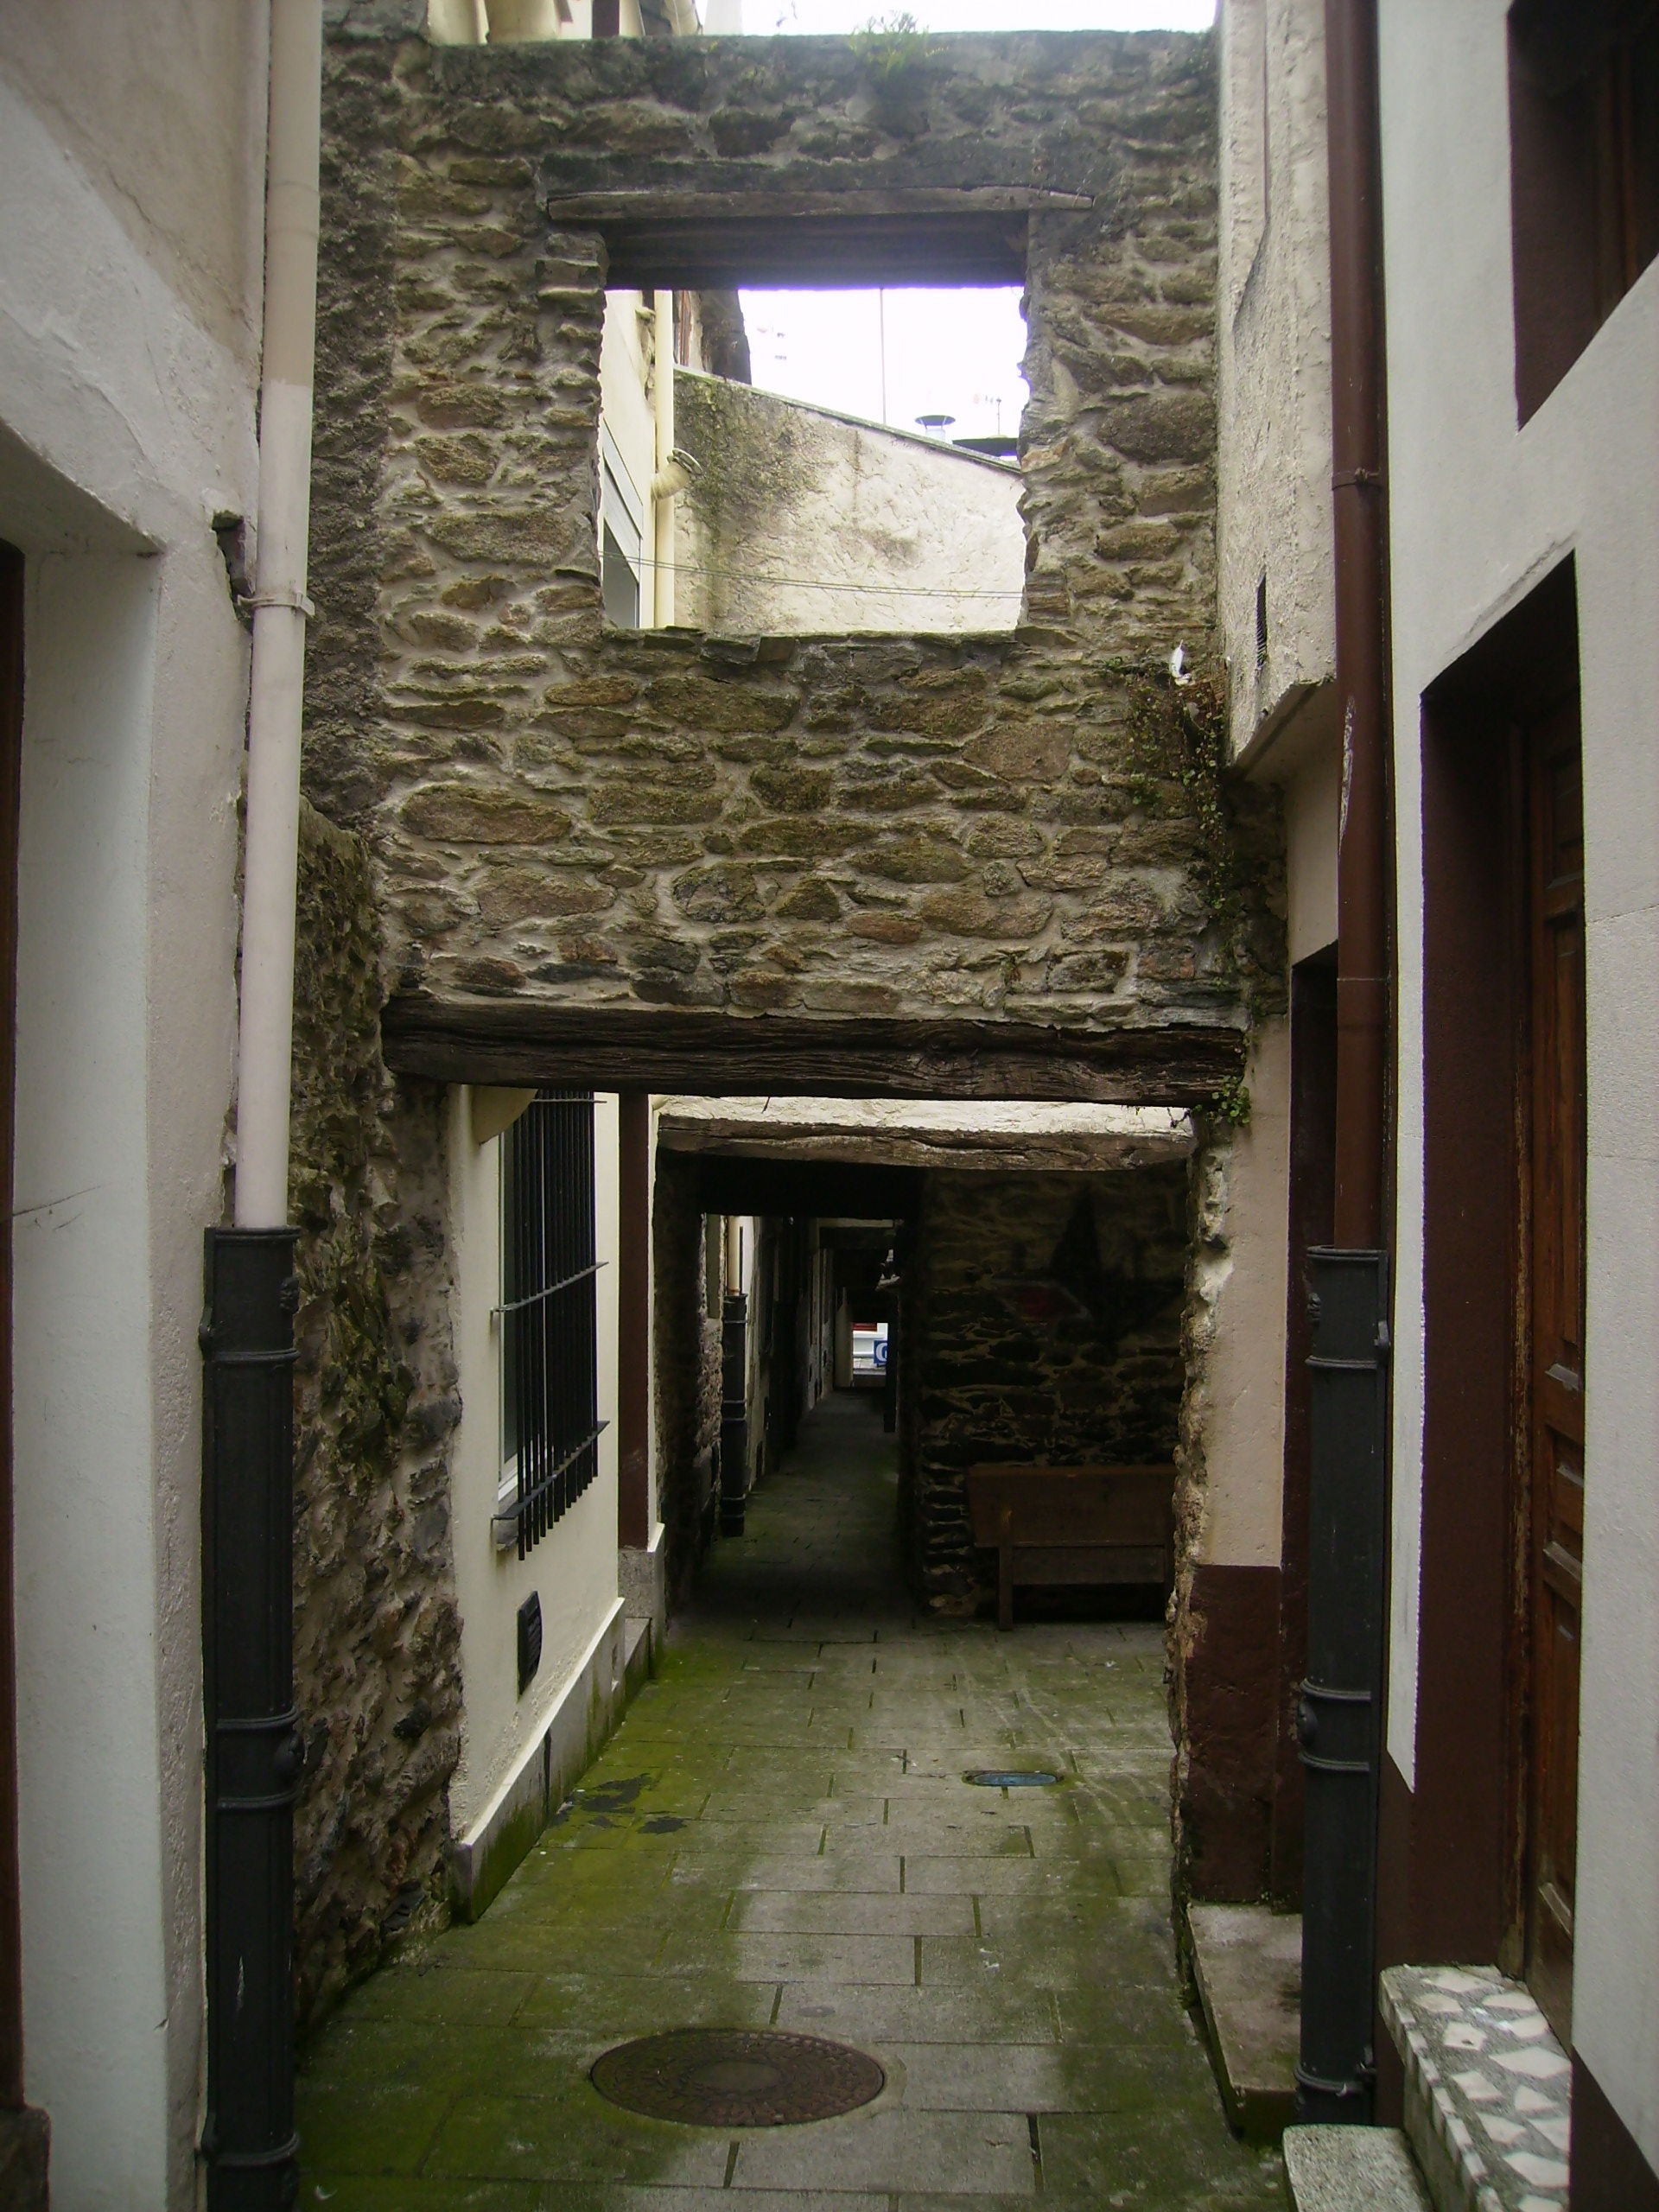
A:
[(1073, 1525)]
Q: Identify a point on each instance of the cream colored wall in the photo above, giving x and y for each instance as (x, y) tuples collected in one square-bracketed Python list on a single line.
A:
[(1240, 1268), (160, 105), (1480, 511), (131, 182), (511, 23), (807, 520), (1273, 471), (627, 383), (574, 1566), (1273, 452), (1312, 809)]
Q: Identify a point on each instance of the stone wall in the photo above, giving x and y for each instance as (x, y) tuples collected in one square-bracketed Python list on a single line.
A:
[(686, 1376), (376, 1634), (562, 817), (1043, 1323)]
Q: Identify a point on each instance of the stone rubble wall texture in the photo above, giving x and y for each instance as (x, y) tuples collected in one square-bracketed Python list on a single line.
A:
[(798, 518), (686, 1378), (913, 828), (556, 815), (1100, 1383), (375, 1632)]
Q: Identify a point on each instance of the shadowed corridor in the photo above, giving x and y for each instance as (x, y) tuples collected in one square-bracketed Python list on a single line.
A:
[(779, 1835)]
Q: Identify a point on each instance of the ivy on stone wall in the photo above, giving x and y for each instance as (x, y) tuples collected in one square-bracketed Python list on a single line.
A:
[(375, 1632), (1179, 755)]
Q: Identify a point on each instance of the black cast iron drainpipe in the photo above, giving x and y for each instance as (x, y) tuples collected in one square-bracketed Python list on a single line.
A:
[(253, 1742), (1341, 1710)]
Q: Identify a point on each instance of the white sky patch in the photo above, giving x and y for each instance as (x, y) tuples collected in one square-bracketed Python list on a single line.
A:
[(893, 356), (763, 17)]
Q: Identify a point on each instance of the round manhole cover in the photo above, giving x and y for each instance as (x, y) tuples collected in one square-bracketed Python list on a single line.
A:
[(998, 1777), (737, 2078)]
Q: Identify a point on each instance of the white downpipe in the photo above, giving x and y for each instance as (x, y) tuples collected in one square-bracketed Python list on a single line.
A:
[(266, 1043), (662, 495)]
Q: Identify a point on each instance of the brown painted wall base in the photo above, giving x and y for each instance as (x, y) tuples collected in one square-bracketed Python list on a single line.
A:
[(1229, 1689), (1609, 2171)]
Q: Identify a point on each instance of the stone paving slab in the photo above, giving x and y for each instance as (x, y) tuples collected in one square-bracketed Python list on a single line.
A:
[(779, 1835)]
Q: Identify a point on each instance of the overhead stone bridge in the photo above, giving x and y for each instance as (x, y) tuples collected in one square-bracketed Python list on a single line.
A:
[(997, 866)]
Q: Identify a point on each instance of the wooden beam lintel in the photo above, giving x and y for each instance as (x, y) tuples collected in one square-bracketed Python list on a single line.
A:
[(654, 204), (674, 1050)]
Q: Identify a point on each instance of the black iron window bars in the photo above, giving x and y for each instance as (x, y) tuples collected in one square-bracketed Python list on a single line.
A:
[(548, 1317)]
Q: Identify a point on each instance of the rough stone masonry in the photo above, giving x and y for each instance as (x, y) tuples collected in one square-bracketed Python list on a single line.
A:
[(523, 816), (572, 821)]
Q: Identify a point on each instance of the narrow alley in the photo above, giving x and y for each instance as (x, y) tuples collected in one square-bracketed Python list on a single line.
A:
[(780, 1835)]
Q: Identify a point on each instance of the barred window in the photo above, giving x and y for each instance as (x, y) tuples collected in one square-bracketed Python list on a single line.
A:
[(550, 1373)]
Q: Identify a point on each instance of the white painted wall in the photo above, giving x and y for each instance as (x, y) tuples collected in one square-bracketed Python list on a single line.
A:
[(1273, 478), (1273, 455), (1312, 811), (1241, 1269), (1480, 511), (129, 302), (806, 520), (574, 1566)]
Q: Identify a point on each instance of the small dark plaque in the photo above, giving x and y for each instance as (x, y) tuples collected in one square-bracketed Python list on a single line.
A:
[(997, 1778), (530, 1640), (737, 2078)]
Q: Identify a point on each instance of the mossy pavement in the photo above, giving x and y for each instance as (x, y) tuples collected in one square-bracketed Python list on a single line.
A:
[(780, 1834)]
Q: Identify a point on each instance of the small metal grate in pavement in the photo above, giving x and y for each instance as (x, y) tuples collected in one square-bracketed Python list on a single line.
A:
[(737, 2078), (997, 1778)]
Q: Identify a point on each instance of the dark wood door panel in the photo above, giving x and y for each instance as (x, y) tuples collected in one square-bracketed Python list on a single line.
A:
[(1553, 1237)]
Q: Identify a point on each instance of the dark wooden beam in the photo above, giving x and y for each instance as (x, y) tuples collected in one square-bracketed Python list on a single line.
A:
[(726, 1056), (650, 204), (806, 1190), (825, 251)]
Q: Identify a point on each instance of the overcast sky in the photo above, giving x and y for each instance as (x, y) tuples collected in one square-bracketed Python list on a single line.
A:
[(944, 353)]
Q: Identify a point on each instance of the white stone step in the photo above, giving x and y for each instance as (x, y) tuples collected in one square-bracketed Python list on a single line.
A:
[(1351, 2170), (1487, 2088), (1248, 1963)]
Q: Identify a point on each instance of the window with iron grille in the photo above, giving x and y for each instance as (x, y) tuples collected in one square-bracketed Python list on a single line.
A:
[(550, 1373)]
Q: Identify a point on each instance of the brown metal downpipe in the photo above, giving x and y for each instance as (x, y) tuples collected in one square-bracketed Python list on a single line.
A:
[(11, 736), (1340, 1713), (1359, 507), (633, 1321)]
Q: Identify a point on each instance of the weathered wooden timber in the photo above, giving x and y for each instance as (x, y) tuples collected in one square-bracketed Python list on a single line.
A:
[(713, 1055), (966, 235)]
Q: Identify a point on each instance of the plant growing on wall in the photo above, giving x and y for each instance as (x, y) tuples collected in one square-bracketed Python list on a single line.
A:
[(890, 47), (1177, 760)]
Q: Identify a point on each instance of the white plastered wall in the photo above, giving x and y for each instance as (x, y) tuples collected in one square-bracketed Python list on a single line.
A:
[(1242, 1270), (574, 1566), (1273, 471), (852, 525), (1481, 511), (1273, 459), (127, 364)]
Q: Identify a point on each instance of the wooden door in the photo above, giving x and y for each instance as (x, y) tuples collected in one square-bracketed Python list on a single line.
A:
[(1554, 1356)]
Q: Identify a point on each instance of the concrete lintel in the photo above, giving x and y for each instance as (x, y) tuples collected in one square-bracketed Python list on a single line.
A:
[(1001, 1137)]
